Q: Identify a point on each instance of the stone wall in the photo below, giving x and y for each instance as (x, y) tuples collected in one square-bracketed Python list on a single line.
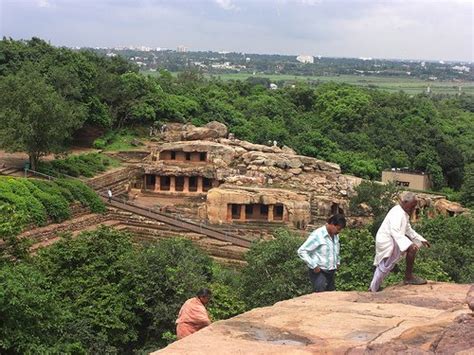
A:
[(118, 180), (142, 229)]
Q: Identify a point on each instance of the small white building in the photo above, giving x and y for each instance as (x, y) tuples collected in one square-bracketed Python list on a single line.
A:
[(306, 59)]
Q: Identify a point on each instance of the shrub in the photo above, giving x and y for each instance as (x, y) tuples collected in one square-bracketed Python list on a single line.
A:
[(40, 200), (87, 165), (11, 223), (274, 272), (33, 317), (357, 257), (94, 276), (170, 272), (452, 245), (83, 193), (14, 193), (225, 302)]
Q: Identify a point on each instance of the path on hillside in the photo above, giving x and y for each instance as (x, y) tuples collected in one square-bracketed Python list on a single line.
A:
[(180, 223)]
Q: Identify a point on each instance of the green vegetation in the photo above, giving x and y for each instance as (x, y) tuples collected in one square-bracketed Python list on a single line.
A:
[(38, 201), (87, 165), (391, 84), (123, 139), (274, 271), (35, 118), (101, 294), (363, 129)]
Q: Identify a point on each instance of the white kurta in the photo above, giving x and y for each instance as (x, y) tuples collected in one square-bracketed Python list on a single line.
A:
[(395, 228)]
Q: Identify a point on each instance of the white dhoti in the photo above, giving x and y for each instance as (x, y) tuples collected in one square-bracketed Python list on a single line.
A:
[(384, 267)]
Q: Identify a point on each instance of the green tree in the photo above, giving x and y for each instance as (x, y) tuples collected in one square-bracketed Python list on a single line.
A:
[(467, 189), (274, 272), (33, 317), (429, 162), (34, 117), (379, 198), (94, 275), (170, 272), (11, 223), (452, 245)]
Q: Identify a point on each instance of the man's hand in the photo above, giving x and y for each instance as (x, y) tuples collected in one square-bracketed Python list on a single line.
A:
[(317, 269), (426, 244)]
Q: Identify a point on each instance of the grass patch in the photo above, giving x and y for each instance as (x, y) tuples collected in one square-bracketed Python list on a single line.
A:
[(87, 165), (126, 139)]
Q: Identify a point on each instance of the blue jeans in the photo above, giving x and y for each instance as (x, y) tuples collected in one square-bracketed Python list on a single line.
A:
[(323, 280)]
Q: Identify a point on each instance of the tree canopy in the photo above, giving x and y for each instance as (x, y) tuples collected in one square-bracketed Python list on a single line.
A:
[(363, 130)]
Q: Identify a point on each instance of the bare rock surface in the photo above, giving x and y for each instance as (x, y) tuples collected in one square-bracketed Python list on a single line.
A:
[(427, 319)]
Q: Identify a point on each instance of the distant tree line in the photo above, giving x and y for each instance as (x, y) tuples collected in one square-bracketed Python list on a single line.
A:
[(270, 64)]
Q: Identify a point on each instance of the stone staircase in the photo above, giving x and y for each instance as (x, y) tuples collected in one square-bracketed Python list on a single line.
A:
[(117, 180), (10, 171)]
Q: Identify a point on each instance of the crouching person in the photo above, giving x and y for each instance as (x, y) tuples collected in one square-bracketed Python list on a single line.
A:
[(320, 252), (193, 314)]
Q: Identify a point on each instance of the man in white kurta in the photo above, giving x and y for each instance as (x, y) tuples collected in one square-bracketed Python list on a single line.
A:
[(395, 238)]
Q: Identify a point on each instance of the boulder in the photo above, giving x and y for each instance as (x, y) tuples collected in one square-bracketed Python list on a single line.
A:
[(200, 133), (287, 150), (448, 208), (220, 128)]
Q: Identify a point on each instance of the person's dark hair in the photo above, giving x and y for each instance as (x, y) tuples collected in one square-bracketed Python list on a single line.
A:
[(337, 220), (204, 292)]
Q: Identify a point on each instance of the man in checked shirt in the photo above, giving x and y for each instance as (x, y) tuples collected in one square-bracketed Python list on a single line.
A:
[(320, 252)]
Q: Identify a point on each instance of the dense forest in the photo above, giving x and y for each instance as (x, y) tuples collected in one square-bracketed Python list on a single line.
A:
[(102, 293), (363, 130)]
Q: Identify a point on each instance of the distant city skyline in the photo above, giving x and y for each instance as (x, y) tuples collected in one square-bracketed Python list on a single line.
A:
[(379, 29)]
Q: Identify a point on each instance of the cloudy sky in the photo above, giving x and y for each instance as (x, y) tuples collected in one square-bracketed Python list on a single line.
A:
[(414, 29)]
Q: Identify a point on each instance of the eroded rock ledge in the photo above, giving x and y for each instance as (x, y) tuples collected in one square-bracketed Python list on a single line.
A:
[(430, 319)]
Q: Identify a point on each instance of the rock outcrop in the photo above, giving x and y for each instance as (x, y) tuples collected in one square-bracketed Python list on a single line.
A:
[(428, 319)]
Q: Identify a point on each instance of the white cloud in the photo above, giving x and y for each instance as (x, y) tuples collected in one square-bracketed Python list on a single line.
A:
[(226, 4)]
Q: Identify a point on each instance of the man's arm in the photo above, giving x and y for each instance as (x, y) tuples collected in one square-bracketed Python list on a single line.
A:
[(412, 234), (311, 244)]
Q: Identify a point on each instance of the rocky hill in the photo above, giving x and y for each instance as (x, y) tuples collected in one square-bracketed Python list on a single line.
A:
[(429, 319)]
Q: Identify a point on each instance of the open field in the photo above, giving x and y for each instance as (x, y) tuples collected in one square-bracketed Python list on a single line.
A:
[(409, 85)]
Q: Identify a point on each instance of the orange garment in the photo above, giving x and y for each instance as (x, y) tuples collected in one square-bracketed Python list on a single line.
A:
[(192, 317)]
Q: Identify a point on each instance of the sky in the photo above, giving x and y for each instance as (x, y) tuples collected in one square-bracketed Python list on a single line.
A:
[(405, 29)]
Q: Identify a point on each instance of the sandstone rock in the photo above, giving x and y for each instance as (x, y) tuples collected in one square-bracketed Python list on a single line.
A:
[(470, 298), (296, 205), (448, 208), (287, 150), (200, 133), (401, 319), (295, 171), (136, 142), (220, 128)]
